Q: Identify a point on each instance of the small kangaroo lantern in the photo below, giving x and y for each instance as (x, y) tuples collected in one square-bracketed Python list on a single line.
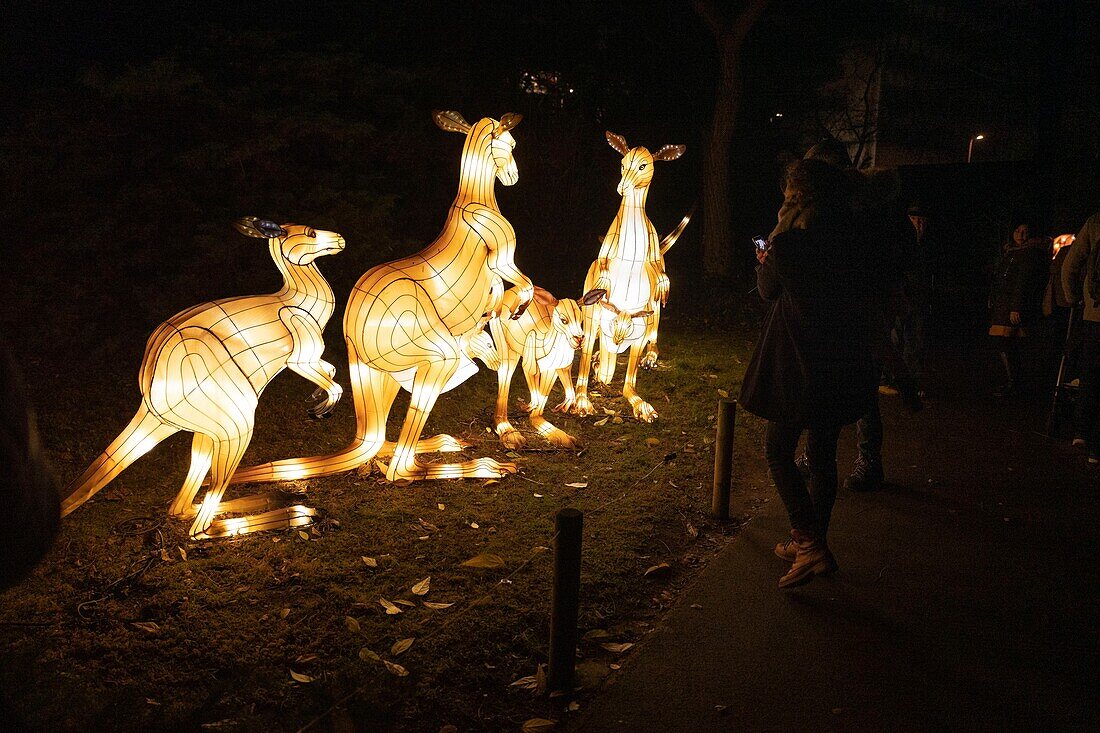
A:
[(545, 337), (204, 370), (631, 268), (416, 322)]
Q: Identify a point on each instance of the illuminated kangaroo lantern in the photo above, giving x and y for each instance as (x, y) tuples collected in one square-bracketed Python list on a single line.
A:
[(545, 336), (204, 370), (416, 322), (631, 268)]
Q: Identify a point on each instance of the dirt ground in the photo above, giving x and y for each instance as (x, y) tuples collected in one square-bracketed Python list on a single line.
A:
[(127, 625)]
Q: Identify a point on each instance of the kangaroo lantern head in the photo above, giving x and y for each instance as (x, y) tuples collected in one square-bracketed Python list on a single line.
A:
[(295, 243), (486, 134), (637, 166)]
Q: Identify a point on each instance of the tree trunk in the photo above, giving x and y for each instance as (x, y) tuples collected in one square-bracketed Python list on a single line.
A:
[(717, 252), (729, 34)]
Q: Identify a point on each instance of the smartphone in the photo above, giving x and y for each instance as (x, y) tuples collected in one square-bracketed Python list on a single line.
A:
[(760, 242)]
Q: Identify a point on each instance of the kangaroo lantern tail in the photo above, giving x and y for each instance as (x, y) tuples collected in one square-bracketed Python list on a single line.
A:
[(671, 237)]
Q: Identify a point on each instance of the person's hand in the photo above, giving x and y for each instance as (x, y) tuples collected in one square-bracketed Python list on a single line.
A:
[(761, 255), (1014, 318)]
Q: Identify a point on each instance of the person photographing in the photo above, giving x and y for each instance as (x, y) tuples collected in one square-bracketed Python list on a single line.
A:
[(812, 369)]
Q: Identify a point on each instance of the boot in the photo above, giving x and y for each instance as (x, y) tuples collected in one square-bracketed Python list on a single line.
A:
[(811, 558), (787, 551), (866, 476)]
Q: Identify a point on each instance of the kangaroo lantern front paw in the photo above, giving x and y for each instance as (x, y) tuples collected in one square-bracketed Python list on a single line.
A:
[(324, 408)]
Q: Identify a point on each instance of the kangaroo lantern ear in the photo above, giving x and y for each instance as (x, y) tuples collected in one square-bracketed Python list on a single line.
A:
[(450, 121), (544, 297), (508, 121), (669, 152), (618, 142), (593, 296), (251, 226)]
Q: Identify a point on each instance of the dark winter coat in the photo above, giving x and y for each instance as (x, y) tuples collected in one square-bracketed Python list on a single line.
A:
[(813, 364), (1018, 281)]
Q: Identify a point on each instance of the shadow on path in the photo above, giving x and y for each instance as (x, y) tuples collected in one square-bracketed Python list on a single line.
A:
[(966, 597)]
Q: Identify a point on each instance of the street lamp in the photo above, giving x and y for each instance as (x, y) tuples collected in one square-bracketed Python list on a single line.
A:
[(970, 148)]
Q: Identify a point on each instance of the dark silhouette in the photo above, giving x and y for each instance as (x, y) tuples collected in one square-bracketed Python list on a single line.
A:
[(812, 369)]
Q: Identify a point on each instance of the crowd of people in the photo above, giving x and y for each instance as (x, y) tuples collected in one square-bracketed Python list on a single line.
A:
[(850, 286)]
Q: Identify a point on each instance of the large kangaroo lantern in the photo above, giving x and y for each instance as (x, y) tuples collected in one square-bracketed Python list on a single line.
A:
[(416, 322), (631, 268), (204, 370)]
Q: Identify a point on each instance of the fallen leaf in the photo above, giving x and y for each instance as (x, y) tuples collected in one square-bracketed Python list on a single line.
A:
[(528, 683), (696, 605), (448, 728), (609, 412), (616, 420), (487, 561), (573, 706), (441, 506), (352, 623), (437, 606), (616, 648), (475, 525), (615, 666), (368, 656), (151, 701), (403, 602), (491, 481), (540, 680), (538, 725), (596, 634), (401, 646), (370, 562), (428, 525), (723, 393), (283, 613), (164, 555), (390, 608), (183, 553), (303, 535), (578, 485), (652, 442), (396, 669), (601, 423), (148, 627), (692, 530), (659, 570), (305, 658), (421, 588), (537, 496), (305, 679)]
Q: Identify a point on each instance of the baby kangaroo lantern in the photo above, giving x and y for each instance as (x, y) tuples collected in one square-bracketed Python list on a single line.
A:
[(545, 338), (204, 370), (416, 322), (631, 268)]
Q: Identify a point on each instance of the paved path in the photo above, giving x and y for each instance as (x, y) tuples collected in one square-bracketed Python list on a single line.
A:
[(967, 599)]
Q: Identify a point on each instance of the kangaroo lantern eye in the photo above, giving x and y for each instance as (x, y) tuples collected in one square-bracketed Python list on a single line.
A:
[(642, 167)]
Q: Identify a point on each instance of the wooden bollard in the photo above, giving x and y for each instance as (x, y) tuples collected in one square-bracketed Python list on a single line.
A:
[(566, 599), (723, 458)]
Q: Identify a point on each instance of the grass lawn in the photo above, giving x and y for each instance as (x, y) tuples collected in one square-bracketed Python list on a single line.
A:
[(127, 625)]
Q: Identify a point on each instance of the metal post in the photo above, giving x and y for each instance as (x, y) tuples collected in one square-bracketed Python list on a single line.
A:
[(566, 599), (723, 459)]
